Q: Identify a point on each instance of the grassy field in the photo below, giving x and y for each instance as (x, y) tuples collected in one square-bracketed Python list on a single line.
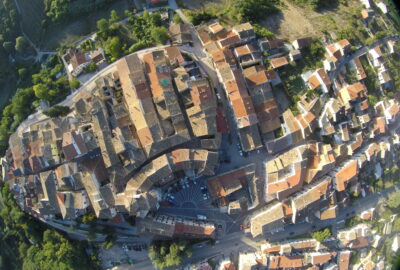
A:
[(63, 32)]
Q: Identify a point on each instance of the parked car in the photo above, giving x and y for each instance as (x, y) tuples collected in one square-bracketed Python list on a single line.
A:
[(201, 217)]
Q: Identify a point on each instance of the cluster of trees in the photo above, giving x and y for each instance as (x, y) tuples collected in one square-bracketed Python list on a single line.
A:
[(57, 10), (262, 32), (322, 235), (9, 31), (252, 10), (28, 245), (394, 200), (57, 111), (169, 253), (393, 64), (48, 84), (237, 11), (200, 17), (147, 30)]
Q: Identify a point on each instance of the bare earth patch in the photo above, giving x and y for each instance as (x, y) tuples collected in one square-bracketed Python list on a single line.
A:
[(295, 22), (290, 24)]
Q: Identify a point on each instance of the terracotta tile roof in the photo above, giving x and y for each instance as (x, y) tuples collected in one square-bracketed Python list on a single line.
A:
[(393, 110), (380, 124), (216, 27), (321, 72), (355, 90), (378, 51), (277, 186), (184, 229), (343, 43), (364, 105), (304, 42), (242, 50), (321, 258), (204, 36), (228, 266), (329, 213), (279, 62), (368, 214), (223, 56), (359, 242), (201, 94), (364, 14), (292, 262), (261, 77), (345, 174), (174, 54), (273, 249), (228, 182), (275, 43), (212, 47), (360, 69), (229, 39), (243, 107), (344, 260), (314, 82)]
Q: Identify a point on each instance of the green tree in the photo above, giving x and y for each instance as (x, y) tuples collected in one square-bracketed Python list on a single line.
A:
[(90, 68), (41, 91), (22, 72), (57, 111), (177, 18), (156, 19), (322, 235), (262, 32), (160, 34), (113, 47), (393, 200), (114, 17), (21, 44), (103, 25), (8, 46), (74, 83), (253, 10), (169, 253)]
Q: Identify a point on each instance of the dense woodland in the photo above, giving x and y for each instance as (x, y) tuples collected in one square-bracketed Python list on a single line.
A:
[(27, 244), (57, 10)]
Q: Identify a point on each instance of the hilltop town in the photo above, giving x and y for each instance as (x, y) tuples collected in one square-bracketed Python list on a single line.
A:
[(229, 140)]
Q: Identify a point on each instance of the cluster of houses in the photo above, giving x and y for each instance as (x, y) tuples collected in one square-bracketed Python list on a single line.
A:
[(247, 83), (313, 180), (125, 138), (76, 60)]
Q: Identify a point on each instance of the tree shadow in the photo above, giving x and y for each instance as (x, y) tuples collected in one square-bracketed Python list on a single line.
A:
[(332, 5), (273, 22)]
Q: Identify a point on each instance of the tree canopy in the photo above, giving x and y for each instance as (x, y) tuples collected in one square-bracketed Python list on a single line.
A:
[(394, 200), (57, 111), (50, 250), (160, 34), (322, 235), (253, 10), (21, 44), (169, 253)]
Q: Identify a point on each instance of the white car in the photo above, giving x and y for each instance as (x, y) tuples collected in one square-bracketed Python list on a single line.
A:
[(205, 197)]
